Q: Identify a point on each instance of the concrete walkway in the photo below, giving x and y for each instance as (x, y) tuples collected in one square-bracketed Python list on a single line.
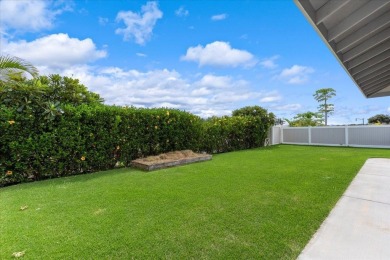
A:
[(358, 227)]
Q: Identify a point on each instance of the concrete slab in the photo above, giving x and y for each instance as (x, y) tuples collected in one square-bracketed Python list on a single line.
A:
[(359, 225), (370, 187), (376, 166)]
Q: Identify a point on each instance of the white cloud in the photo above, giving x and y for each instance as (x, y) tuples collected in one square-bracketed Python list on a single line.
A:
[(219, 54), (296, 74), (287, 107), (232, 96), (219, 17), (139, 26), (140, 54), (30, 15), (55, 51), (169, 105), (205, 113), (165, 88), (181, 12), (103, 20), (213, 81), (269, 63), (294, 70), (203, 91), (271, 97)]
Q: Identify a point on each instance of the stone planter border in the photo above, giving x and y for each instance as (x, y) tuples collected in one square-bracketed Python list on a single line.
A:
[(161, 165)]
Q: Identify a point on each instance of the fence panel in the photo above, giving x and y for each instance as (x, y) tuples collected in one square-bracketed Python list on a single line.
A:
[(359, 136), (369, 136), (295, 135), (328, 135)]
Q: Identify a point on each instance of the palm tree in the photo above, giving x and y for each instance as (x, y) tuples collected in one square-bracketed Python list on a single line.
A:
[(14, 66)]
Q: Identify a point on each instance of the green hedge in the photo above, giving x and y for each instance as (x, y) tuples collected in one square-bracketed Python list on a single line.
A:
[(54, 127), (89, 138), (227, 134)]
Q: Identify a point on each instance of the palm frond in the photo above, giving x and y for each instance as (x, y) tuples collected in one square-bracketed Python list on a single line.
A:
[(9, 64)]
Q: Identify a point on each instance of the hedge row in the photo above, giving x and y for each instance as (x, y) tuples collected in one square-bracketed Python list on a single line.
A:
[(54, 127), (227, 134), (87, 139)]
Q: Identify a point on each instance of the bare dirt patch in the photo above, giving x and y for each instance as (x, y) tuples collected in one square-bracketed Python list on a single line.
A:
[(170, 159)]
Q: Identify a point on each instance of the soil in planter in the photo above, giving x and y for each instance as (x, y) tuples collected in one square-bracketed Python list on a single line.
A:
[(169, 159)]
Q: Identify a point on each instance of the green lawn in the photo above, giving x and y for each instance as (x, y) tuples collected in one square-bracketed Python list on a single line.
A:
[(255, 204)]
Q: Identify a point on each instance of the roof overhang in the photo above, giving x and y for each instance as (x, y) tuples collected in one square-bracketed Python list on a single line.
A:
[(358, 34)]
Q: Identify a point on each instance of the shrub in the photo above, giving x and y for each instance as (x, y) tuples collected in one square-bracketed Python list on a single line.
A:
[(254, 111), (306, 119), (54, 127), (89, 138), (379, 119), (227, 134)]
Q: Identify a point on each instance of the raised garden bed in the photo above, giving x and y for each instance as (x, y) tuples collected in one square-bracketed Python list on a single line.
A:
[(170, 159)]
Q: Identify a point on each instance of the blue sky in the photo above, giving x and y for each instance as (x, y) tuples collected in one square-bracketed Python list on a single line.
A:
[(205, 57)]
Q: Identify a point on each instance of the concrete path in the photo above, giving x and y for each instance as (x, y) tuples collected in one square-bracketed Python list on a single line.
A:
[(358, 227)]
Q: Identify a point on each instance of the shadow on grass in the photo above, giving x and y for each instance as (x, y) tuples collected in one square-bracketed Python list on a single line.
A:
[(85, 177), (79, 178)]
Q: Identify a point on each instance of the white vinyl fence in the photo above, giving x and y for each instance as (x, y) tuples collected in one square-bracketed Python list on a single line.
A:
[(357, 136)]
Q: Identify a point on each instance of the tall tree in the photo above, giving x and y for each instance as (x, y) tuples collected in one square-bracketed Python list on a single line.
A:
[(322, 96), (14, 67)]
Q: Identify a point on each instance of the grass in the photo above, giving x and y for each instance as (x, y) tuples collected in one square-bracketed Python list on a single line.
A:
[(255, 204)]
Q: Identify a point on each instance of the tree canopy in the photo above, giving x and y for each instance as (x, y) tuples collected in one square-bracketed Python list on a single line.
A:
[(380, 118), (306, 119), (256, 111), (46, 95)]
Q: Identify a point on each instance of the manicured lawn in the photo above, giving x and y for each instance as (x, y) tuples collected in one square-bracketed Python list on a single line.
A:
[(255, 204)]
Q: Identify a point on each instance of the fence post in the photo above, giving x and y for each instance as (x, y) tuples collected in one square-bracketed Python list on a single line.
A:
[(346, 136), (277, 131), (273, 129), (309, 129), (281, 134)]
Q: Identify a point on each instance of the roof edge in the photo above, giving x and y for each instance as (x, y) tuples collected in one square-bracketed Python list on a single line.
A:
[(308, 17)]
